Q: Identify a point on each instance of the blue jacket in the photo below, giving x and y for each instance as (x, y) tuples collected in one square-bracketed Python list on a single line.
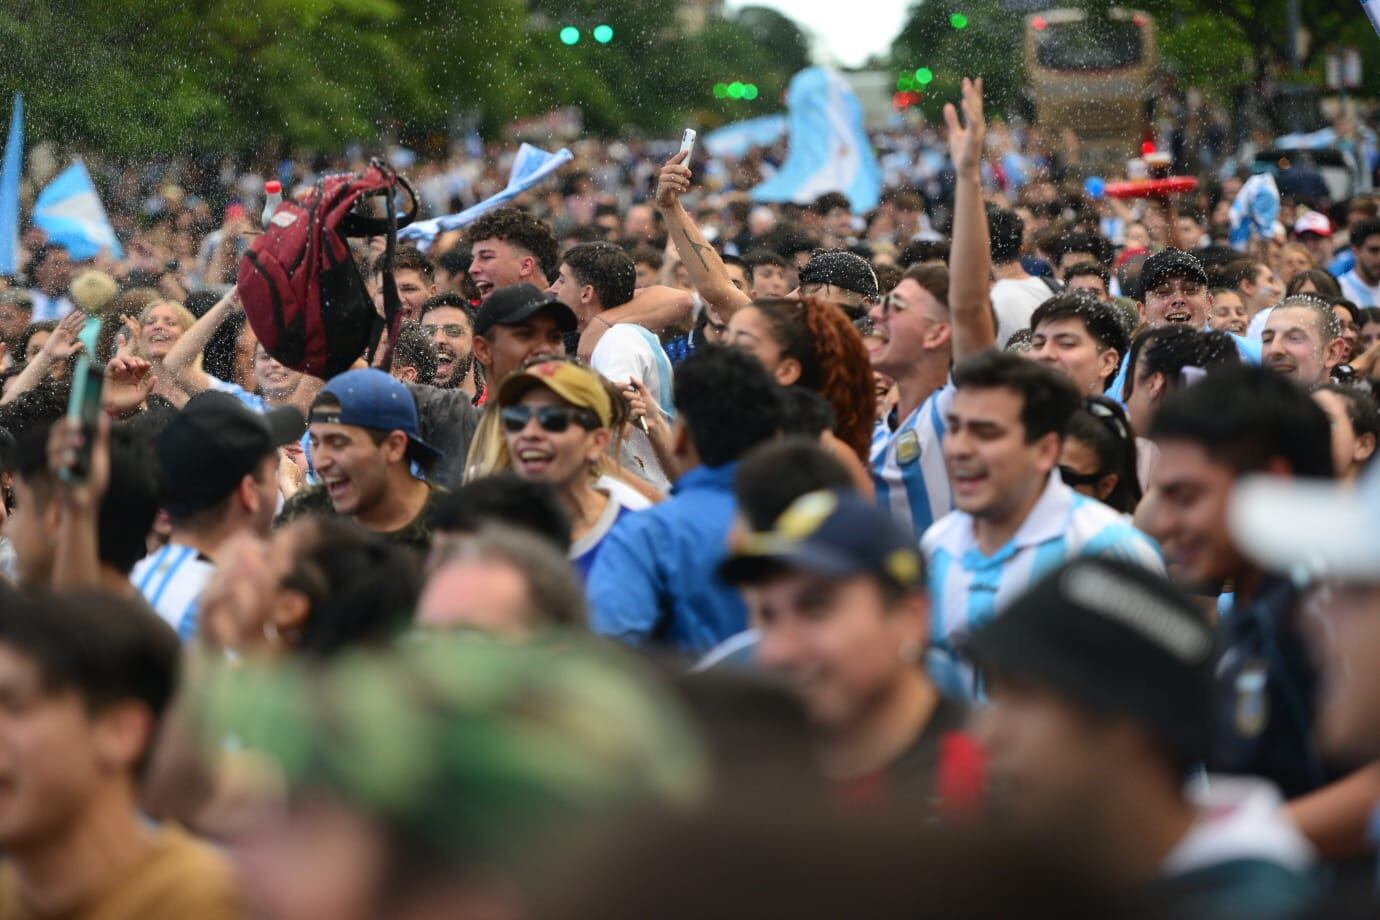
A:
[(656, 579)]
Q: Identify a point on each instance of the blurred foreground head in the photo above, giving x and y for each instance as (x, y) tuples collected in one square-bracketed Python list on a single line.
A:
[(446, 771)]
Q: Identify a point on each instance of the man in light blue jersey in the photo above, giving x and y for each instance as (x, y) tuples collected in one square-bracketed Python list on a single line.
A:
[(1016, 520), (932, 318)]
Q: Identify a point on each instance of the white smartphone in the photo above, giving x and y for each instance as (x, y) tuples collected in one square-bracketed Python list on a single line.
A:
[(687, 144)]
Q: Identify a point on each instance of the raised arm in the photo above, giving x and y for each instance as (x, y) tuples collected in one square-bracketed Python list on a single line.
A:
[(970, 266), (180, 361), (61, 345), (707, 271)]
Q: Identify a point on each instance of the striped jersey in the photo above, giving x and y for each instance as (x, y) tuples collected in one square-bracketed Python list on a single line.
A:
[(908, 464), (171, 580), (968, 588)]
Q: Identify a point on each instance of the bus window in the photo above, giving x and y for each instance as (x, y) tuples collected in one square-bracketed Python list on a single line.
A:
[(1085, 46)]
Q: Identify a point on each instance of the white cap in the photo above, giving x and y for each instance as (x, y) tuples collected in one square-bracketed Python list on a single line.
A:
[(1310, 529), (1313, 222)]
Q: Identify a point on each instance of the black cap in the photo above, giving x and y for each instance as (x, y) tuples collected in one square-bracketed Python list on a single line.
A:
[(1113, 637), (1171, 263), (212, 444), (834, 534), (843, 269), (515, 303)]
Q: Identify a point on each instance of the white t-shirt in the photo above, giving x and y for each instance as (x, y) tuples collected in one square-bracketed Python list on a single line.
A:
[(628, 350), (1353, 289), (622, 493), (1014, 301)]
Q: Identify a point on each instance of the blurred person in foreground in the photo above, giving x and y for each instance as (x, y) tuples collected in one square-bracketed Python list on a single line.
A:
[(1100, 679), (86, 680), (1238, 422), (838, 602), (442, 777)]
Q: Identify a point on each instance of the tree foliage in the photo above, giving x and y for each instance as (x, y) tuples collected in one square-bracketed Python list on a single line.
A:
[(134, 77)]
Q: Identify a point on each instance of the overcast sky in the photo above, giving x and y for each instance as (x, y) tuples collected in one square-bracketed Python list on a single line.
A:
[(844, 32)]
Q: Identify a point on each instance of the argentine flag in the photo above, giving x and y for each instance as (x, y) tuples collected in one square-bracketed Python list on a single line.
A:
[(1254, 210), (9, 190), (70, 212), (737, 138), (531, 165), (829, 149)]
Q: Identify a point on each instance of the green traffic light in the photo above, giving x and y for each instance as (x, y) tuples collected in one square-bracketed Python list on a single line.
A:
[(750, 91), (570, 35), (720, 90), (958, 21), (603, 34), (923, 76), (905, 83), (735, 90)]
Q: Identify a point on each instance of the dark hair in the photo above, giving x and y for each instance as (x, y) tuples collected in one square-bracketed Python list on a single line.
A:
[(829, 201), (1350, 307), (833, 361), (1091, 270), (1168, 350), (805, 413), (933, 278), (362, 589), (1101, 424), (1048, 398), (761, 256), (107, 648), (1100, 319), (788, 240), (39, 256), (519, 228), (1235, 273), (728, 402), (47, 325), (508, 499), (415, 349), (1323, 283), (888, 276), (1369, 315), (917, 251), (452, 300), (775, 474), (128, 506), (455, 261), (1006, 231), (1360, 231), (1245, 416), (1361, 408), (648, 254), (605, 267), (406, 258), (1094, 245)]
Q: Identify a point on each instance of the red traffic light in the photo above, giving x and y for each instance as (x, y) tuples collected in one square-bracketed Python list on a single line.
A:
[(1039, 23)]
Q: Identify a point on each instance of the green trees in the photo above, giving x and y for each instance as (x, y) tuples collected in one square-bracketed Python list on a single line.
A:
[(133, 77)]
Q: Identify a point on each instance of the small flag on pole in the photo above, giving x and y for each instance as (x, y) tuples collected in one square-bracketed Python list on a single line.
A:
[(9, 190), (70, 212)]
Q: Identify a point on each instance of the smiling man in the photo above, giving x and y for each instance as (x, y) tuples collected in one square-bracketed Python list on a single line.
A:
[(450, 322), (1081, 337), (510, 246), (364, 442), (1303, 340), (1015, 519)]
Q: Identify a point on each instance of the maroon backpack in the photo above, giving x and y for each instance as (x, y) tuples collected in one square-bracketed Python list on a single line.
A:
[(301, 290)]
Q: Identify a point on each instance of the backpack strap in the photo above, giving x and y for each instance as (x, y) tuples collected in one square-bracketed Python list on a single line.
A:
[(360, 225), (386, 329)]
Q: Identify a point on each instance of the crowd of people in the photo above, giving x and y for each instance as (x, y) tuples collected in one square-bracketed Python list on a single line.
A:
[(1002, 549)]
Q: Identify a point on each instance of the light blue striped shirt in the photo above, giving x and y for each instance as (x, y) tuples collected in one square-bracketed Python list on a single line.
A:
[(171, 580), (908, 464), (968, 588)]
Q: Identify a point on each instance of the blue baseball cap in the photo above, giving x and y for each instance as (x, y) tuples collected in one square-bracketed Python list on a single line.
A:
[(369, 398), (834, 534)]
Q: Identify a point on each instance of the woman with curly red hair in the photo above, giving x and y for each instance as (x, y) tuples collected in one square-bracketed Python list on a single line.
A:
[(812, 344)]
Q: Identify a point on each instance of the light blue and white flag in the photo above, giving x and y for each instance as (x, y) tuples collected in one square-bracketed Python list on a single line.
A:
[(737, 138), (69, 211), (530, 167), (9, 190), (1254, 210), (829, 148)]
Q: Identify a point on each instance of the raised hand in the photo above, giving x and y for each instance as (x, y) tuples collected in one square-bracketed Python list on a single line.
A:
[(966, 139), (672, 182), (128, 383)]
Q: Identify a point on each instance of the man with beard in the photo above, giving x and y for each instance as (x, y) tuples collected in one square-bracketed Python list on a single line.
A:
[(450, 322)]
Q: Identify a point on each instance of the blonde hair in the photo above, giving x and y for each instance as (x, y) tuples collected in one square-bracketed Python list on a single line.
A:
[(185, 321)]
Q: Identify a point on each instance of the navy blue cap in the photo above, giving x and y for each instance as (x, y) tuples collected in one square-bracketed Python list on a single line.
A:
[(835, 534), (1171, 263), (842, 269), (516, 303), (369, 398)]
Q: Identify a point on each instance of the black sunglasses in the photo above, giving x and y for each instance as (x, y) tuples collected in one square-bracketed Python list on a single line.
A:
[(1073, 479), (554, 419)]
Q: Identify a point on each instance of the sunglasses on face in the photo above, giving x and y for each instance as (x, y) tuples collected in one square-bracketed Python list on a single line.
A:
[(1073, 479), (450, 330), (553, 419)]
